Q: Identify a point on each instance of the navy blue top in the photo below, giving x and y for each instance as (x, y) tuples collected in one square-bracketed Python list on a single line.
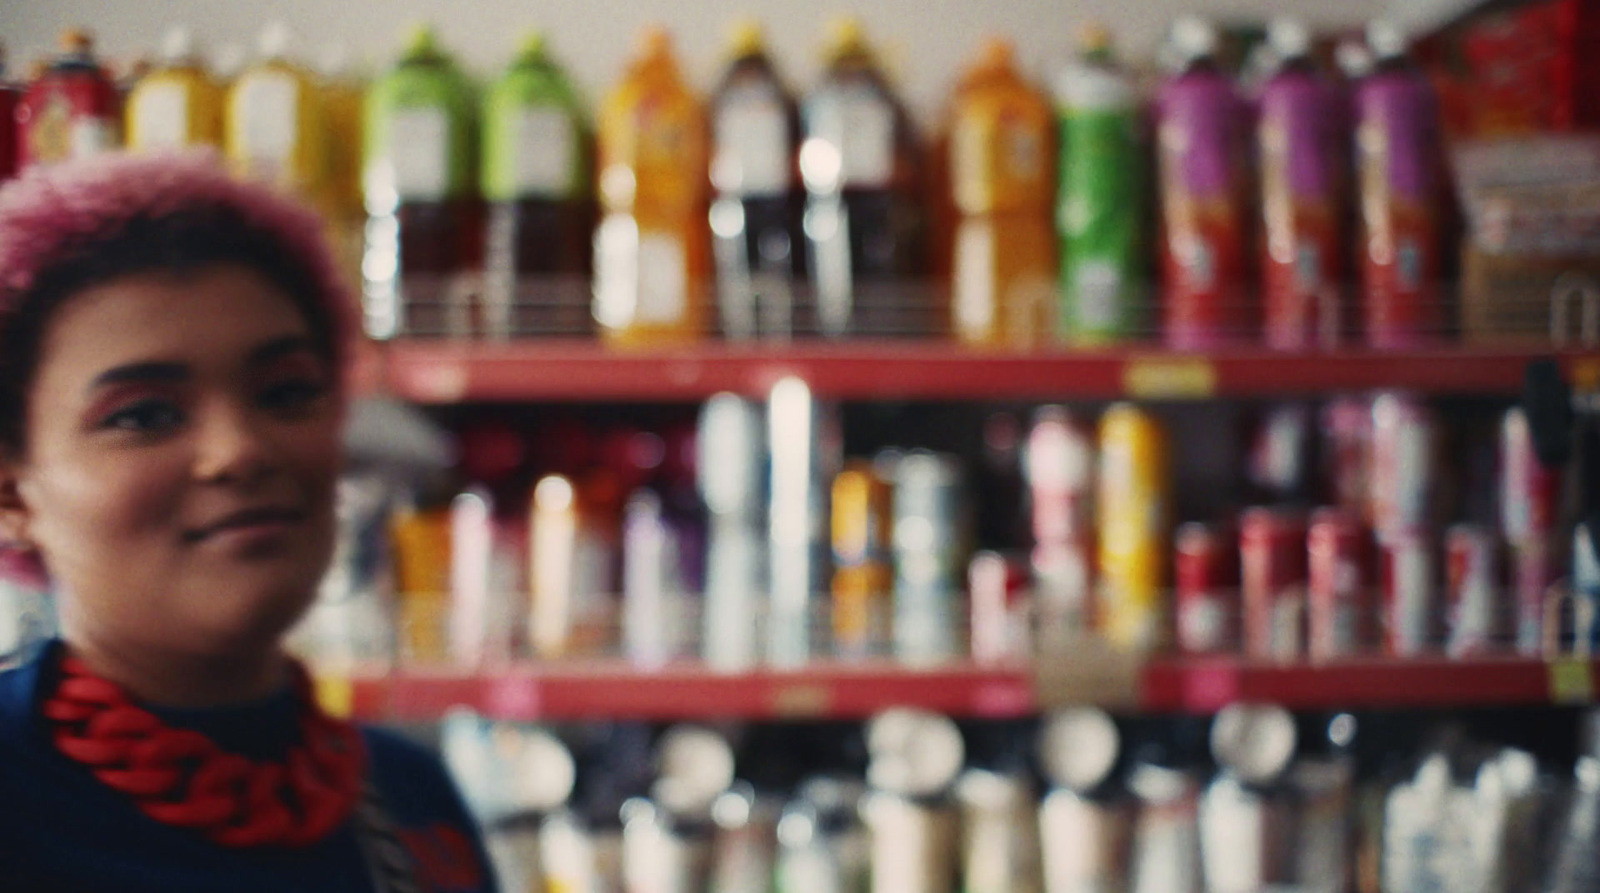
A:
[(62, 829)]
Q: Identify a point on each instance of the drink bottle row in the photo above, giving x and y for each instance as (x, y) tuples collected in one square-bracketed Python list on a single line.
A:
[(1255, 799), (1304, 207), (781, 532)]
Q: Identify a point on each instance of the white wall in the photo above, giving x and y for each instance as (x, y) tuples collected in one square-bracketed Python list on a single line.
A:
[(924, 41)]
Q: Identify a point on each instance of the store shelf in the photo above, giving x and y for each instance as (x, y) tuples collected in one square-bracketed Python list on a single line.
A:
[(573, 370), (614, 691)]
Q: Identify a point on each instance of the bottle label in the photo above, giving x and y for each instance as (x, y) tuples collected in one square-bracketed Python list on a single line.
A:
[(91, 136), (267, 121), (641, 277), (860, 124), (663, 279), (975, 295), (542, 152), (160, 117), (419, 149), (752, 147)]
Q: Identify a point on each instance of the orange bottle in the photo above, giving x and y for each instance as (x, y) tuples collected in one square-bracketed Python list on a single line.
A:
[(1002, 151), (652, 250)]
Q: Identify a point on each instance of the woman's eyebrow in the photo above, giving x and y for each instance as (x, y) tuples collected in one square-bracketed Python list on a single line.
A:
[(141, 372), (278, 348)]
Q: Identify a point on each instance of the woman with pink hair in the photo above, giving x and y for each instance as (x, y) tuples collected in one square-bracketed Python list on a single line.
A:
[(171, 348)]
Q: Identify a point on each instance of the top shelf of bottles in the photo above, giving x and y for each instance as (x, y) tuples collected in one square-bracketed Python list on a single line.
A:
[(444, 372)]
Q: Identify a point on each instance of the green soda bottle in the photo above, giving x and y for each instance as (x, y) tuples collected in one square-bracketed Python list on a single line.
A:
[(1099, 207), (537, 176)]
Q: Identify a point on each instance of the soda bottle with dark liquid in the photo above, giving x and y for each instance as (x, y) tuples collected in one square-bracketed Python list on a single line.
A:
[(758, 202), (864, 218), (537, 178), (424, 217)]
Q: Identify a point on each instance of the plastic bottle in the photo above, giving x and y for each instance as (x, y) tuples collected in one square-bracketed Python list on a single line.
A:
[(419, 179), (273, 125), (71, 110), (651, 250), (10, 95), (343, 97), (1204, 256), (1301, 133), (538, 179), (1398, 154), (756, 215), (177, 104), (1101, 201), (864, 215), (1001, 147)]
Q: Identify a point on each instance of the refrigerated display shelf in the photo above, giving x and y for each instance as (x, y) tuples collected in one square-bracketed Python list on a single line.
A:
[(616, 691), (569, 370)]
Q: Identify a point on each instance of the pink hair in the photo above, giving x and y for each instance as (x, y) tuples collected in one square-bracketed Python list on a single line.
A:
[(54, 213)]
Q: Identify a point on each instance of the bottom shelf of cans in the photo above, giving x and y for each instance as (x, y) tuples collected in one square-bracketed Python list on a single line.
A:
[(911, 802)]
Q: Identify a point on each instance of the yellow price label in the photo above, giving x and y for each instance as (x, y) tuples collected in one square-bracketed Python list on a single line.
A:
[(336, 694), (802, 699), (1170, 378), (1571, 681), (1586, 375)]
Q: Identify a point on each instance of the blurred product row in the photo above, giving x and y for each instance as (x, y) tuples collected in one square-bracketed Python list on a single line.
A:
[(1255, 799), (1273, 197)]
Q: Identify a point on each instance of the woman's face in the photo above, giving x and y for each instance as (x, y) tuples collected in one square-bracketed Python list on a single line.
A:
[(182, 453)]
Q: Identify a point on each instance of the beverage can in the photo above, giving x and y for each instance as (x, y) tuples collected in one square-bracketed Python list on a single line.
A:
[(1347, 454), (915, 846), (862, 576), (655, 583), (1279, 462), (1206, 568), (1165, 851), (1339, 600), (1133, 496), (999, 592), (1060, 462), (1064, 584), (1533, 570), (1410, 592), (999, 836), (804, 441), (1244, 837), (1085, 842), (1323, 848), (1272, 554), (1529, 492), (1403, 467), (1476, 614), (928, 540)]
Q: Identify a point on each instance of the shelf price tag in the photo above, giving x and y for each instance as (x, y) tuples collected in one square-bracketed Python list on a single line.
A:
[(801, 699), (336, 694), (1571, 681), (1170, 378)]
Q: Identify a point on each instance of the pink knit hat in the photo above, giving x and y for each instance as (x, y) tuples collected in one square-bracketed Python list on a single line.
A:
[(52, 213)]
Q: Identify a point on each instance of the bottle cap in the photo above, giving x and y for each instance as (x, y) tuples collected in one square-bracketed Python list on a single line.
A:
[(846, 37), (1385, 39), (1078, 748), (1289, 38), (745, 39), (177, 45), (531, 48), (275, 40), (76, 41), (1095, 37), (655, 42), (1193, 38)]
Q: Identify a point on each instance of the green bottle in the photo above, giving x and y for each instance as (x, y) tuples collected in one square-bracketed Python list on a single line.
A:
[(537, 178), (1099, 206), (419, 183)]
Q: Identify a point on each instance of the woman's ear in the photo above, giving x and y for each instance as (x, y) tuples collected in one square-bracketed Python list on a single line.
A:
[(14, 513)]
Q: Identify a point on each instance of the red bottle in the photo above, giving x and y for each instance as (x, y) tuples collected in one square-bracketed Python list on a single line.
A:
[(73, 110)]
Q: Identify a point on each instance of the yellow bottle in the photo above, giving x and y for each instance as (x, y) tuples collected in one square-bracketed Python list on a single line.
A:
[(274, 126), (343, 97), (1134, 503), (177, 104), (652, 249), (1002, 152), (421, 542)]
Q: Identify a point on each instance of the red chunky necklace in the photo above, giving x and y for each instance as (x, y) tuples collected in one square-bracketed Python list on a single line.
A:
[(180, 777)]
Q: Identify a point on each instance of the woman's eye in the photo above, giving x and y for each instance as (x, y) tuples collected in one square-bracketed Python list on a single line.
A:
[(292, 394), (145, 417)]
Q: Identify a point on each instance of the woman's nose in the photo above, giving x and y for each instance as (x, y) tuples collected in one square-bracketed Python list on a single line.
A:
[(230, 444)]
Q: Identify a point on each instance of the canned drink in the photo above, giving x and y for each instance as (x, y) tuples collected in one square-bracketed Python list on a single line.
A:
[(862, 577), (1134, 501), (1402, 481), (1000, 839), (1339, 570), (1474, 609), (1533, 570), (804, 438), (735, 573), (1060, 464), (1207, 571), (1347, 453), (731, 456), (928, 542), (1279, 462), (1323, 850), (1000, 596), (1410, 593), (1529, 492), (1165, 852), (1063, 578), (655, 583), (914, 844), (1084, 842), (1272, 555)]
